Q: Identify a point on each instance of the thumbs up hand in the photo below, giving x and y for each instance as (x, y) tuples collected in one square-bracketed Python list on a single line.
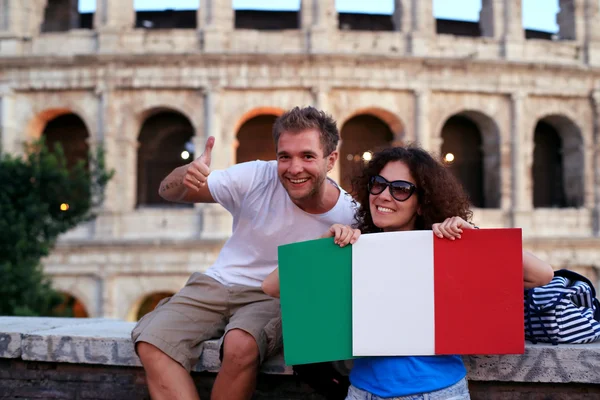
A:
[(198, 170)]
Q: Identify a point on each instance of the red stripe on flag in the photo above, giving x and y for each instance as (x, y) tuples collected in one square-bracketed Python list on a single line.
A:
[(478, 293)]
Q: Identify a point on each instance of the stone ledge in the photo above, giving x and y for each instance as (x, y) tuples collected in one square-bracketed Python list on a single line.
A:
[(91, 341), (107, 342)]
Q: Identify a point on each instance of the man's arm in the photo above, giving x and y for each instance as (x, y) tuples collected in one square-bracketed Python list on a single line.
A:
[(189, 183), (342, 234)]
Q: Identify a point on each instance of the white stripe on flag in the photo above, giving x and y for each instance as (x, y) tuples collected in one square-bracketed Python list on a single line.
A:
[(393, 272)]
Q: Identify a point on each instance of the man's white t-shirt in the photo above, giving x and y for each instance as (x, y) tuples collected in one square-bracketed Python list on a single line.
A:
[(264, 217)]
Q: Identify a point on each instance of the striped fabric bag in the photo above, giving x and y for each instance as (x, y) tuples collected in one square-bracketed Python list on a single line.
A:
[(564, 311)]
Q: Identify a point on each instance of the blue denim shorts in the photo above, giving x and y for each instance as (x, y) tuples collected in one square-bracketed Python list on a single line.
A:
[(458, 391)]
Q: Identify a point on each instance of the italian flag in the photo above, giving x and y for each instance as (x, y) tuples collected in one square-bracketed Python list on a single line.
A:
[(403, 294)]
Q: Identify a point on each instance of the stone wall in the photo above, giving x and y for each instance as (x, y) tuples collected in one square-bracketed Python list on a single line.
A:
[(115, 76), (94, 359)]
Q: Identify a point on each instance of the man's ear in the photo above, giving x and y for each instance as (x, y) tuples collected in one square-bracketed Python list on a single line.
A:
[(331, 159), (419, 213)]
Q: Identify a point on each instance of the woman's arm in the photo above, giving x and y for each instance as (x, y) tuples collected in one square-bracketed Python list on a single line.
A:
[(535, 271), (271, 284)]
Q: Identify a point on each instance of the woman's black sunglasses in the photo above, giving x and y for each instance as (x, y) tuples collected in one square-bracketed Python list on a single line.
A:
[(400, 190)]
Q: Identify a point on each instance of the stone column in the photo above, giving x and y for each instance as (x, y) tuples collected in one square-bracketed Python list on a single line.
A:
[(223, 155), (592, 32), (105, 292), (22, 18), (111, 19), (106, 224), (216, 21), (422, 26), (596, 163), (319, 21), (12, 136), (522, 153), (4, 146), (502, 20), (120, 149), (119, 132), (571, 19), (422, 125), (402, 17), (320, 95), (216, 221), (318, 14), (114, 15), (3, 118)]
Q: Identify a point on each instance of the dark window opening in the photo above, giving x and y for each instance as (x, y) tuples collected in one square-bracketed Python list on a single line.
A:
[(165, 143), (70, 131), (457, 28), (462, 152), (255, 139), (166, 19), (534, 34), (547, 171), (365, 22), (62, 16), (86, 20), (361, 136), (267, 20)]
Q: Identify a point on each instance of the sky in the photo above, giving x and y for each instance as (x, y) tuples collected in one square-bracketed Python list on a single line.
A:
[(537, 14)]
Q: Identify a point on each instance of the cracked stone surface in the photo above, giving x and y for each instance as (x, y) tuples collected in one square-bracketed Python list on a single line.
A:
[(108, 342)]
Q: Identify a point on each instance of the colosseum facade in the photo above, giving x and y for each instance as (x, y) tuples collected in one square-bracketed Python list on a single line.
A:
[(518, 110)]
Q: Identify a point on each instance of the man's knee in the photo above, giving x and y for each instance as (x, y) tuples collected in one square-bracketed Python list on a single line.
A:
[(149, 354), (240, 349)]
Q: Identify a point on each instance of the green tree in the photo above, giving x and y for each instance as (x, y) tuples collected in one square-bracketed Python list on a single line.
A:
[(41, 198)]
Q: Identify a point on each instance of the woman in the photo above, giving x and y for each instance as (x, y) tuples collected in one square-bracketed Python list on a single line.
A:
[(403, 189)]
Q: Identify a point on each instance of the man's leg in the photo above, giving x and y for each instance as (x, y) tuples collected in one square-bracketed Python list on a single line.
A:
[(252, 334), (237, 376), (166, 378), (169, 339)]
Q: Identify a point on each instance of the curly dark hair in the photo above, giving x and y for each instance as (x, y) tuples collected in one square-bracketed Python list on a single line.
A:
[(300, 119), (440, 195)]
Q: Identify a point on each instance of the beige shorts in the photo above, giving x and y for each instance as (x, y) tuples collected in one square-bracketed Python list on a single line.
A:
[(205, 309)]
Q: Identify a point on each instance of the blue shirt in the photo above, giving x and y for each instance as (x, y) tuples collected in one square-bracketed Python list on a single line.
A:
[(404, 376)]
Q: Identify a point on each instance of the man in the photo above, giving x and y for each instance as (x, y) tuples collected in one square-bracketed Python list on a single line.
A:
[(272, 203)]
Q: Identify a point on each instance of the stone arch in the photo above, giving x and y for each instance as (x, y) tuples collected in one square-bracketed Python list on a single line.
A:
[(145, 106), (71, 132), (238, 106), (254, 134), (150, 111), (72, 306), (361, 135), (146, 303), (255, 112), (473, 138), (37, 124), (64, 126), (82, 288), (558, 163), (135, 107), (165, 142), (393, 121)]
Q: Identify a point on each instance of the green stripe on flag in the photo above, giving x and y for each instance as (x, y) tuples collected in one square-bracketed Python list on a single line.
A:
[(316, 301)]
